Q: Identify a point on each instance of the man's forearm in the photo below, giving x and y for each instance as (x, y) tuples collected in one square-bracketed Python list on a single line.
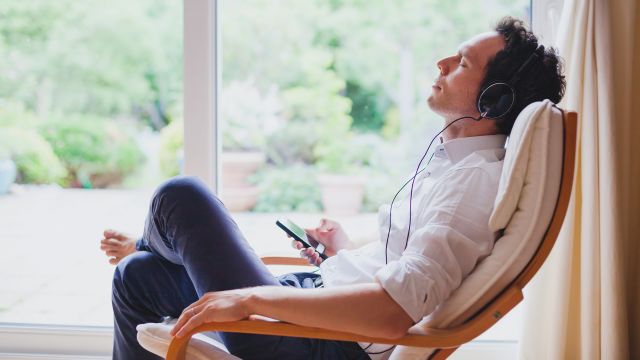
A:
[(364, 309)]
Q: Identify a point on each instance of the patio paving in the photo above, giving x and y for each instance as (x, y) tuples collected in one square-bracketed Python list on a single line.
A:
[(52, 270)]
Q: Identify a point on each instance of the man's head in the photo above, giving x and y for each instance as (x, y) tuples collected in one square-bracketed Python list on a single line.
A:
[(494, 57)]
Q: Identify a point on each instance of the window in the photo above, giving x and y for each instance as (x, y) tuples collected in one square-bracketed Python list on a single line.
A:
[(208, 79), (90, 98)]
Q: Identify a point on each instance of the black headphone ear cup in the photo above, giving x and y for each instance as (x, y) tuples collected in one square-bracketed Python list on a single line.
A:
[(496, 100)]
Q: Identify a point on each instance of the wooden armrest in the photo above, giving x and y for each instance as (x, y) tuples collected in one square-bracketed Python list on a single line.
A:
[(284, 260), (432, 338)]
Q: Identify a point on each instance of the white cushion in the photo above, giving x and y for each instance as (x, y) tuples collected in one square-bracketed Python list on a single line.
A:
[(527, 197), (155, 337)]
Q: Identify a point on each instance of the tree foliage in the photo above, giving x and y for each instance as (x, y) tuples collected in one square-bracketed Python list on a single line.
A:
[(335, 68)]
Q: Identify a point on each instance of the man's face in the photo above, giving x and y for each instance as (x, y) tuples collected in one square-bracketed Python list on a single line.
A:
[(455, 91)]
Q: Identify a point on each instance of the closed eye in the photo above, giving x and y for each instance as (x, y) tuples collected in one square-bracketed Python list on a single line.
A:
[(462, 61)]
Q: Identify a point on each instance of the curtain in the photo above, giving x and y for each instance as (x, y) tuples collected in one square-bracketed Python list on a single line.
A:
[(583, 303)]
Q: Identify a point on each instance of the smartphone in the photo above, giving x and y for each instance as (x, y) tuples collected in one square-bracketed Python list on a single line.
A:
[(299, 234)]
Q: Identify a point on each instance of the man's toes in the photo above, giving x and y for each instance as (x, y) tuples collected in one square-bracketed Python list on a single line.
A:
[(109, 233), (113, 253)]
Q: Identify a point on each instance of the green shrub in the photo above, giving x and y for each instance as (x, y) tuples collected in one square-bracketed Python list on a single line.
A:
[(294, 143), (92, 147), (33, 155), (287, 190), (14, 114), (171, 145), (348, 154)]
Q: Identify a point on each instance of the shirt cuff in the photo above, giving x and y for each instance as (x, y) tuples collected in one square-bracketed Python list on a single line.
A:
[(408, 288)]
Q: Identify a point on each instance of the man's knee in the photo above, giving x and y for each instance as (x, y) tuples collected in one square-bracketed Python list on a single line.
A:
[(183, 189), (131, 271)]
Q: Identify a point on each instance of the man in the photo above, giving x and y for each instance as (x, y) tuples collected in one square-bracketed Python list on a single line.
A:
[(193, 263)]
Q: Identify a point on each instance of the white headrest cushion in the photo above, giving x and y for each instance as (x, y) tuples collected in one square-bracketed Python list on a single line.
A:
[(515, 163)]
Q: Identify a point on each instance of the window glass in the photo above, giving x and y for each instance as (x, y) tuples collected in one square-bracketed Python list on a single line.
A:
[(90, 109)]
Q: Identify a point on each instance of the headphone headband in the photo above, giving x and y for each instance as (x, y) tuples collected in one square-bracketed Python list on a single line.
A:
[(497, 98), (534, 56)]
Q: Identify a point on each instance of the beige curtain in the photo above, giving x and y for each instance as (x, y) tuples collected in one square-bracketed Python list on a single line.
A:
[(583, 304)]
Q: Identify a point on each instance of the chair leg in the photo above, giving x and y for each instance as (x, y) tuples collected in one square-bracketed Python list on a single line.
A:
[(442, 354)]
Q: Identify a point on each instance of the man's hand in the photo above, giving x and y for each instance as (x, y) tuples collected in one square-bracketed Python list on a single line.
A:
[(218, 306), (329, 233)]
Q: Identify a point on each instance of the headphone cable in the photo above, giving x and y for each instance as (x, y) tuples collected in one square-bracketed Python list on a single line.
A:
[(412, 180)]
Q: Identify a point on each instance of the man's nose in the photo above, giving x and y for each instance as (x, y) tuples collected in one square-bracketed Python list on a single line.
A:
[(442, 66)]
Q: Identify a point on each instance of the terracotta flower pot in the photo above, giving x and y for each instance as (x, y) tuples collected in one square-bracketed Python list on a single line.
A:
[(237, 167), (341, 194)]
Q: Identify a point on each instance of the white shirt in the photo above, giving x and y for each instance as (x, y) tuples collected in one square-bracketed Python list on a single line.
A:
[(452, 201)]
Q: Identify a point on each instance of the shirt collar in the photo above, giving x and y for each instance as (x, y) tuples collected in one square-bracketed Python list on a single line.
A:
[(457, 149)]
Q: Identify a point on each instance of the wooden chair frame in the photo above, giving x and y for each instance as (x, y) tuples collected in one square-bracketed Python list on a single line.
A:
[(445, 340)]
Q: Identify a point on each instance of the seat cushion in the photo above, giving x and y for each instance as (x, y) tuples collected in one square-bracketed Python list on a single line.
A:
[(155, 337), (526, 200)]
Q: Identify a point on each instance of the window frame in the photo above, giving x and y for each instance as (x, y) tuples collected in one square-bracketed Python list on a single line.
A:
[(202, 81)]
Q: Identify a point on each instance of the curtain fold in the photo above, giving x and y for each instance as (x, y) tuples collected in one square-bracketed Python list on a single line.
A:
[(583, 302)]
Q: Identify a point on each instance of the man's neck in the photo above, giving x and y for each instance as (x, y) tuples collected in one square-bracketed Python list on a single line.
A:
[(468, 128)]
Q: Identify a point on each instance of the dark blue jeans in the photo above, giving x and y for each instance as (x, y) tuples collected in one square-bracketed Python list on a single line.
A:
[(192, 246)]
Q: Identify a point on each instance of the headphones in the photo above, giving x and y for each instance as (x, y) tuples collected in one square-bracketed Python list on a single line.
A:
[(497, 99)]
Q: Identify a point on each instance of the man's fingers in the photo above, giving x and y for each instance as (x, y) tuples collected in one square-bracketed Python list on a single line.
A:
[(315, 258), (318, 260), (311, 256), (114, 261), (187, 313), (191, 324), (186, 321), (111, 241), (203, 300)]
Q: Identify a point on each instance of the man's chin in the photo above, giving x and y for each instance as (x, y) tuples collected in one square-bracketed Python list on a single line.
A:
[(432, 103)]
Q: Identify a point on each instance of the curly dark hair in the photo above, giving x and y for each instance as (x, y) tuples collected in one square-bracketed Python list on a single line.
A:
[(543, 79)]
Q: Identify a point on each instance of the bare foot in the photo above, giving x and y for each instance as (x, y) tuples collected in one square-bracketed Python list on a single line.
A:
[(117, 245)]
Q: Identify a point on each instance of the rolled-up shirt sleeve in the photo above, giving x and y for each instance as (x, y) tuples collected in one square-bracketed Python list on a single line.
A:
[(452, 236)]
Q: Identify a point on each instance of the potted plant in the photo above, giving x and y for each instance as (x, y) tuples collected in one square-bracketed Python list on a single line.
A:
[(247, 118), (341, 184), (237, 166), (8, 171)]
